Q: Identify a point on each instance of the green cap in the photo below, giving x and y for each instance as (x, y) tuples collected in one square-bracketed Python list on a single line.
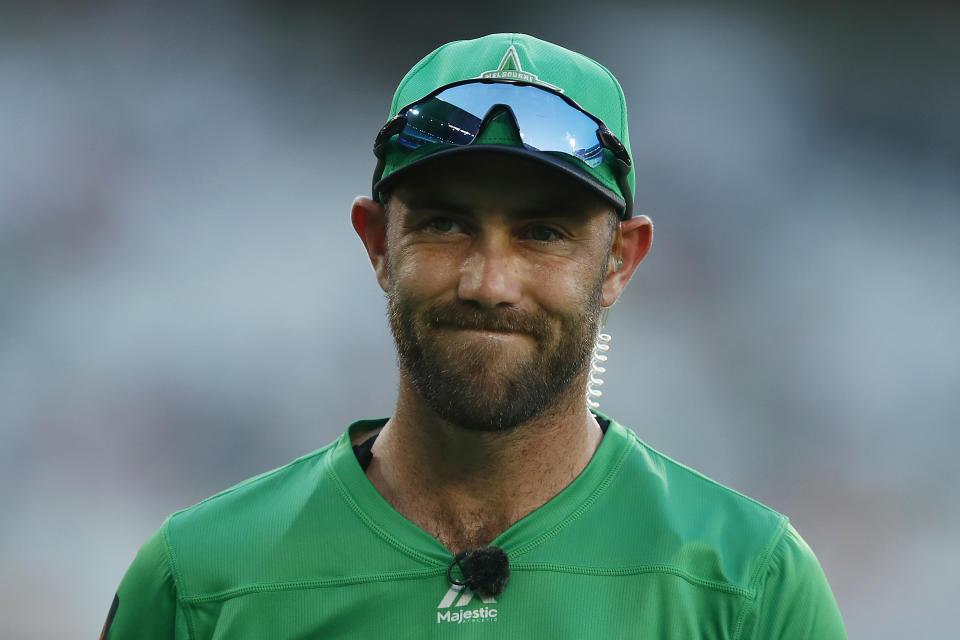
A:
[(518, 57)]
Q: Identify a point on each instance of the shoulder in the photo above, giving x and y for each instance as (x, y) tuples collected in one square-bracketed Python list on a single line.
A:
[(793, 598), (268, 500), (679, 519), (263, 531), (145, 605), (256, 531), (694, 502), (253, 502)]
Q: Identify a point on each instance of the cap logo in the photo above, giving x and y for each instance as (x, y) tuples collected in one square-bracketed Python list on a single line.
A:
[(510, 69)]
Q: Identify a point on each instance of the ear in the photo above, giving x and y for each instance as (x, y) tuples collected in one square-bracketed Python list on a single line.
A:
[(370, 222), (631, 242)]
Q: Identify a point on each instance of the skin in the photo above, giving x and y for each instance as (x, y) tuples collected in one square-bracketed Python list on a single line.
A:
[(484, 237)]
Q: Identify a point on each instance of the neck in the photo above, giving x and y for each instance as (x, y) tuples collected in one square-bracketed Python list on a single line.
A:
[(465, 487)]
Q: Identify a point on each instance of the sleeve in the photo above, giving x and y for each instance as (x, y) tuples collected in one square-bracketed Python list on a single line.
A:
[(146, 606), (794, 601)]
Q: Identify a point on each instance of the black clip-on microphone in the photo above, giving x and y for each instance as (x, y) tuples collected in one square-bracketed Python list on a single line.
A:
[(485, 571)]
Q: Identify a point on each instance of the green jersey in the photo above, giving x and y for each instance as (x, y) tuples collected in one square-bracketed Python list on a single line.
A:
[(637, 546)]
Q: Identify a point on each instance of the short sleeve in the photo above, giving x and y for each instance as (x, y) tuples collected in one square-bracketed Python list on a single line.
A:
[(145, 606), (794, 601)]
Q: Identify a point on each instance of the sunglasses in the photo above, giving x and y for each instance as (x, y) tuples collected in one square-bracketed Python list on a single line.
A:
[(455, 114)]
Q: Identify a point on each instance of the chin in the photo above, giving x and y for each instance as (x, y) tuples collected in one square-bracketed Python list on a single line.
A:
[(480, 396)]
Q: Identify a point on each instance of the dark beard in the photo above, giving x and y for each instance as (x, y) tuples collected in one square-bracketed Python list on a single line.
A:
[(468, 388)]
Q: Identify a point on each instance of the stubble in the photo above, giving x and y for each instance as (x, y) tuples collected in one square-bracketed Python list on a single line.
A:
[(478, 384)]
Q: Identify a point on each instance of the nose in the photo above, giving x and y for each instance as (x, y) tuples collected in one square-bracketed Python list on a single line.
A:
[(490, 275)]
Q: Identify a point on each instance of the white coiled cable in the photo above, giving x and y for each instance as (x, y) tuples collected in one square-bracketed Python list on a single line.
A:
[(602, 344), (598, 356)]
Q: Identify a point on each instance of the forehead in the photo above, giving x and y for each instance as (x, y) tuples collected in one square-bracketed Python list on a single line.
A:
[(489, 181)]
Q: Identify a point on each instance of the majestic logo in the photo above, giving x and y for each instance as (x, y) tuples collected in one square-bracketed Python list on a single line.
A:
[(463, 596), (510, 69)]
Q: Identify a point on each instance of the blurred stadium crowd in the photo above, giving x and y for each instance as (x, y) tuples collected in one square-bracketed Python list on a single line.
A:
[(183, 303)]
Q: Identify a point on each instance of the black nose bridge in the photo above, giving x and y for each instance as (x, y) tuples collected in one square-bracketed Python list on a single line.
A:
[(499, 113)]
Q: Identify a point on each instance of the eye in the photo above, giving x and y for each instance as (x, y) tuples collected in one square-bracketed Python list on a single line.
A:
[(443, 225), (542, 233)]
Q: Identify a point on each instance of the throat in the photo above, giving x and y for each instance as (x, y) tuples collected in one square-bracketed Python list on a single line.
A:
[(463, 515), (465, 510), (465, 529)]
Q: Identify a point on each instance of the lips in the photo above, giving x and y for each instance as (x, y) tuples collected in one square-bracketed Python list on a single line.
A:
[(478, 328), (488, 334), (502, 321)]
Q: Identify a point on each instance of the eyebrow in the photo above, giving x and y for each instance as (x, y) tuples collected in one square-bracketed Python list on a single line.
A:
[(433, 203), (551, 210)]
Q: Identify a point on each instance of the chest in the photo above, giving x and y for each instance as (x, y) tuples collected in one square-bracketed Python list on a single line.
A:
[(536, 604)]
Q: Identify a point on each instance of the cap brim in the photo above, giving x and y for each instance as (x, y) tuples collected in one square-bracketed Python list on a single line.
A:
[(564, 167)]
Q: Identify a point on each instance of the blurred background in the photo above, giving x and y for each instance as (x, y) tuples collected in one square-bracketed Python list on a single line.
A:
[(183, 303)]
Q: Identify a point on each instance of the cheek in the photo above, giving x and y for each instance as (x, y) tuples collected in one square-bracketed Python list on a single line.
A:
[(565, 286), (549, 283), (424, 273)]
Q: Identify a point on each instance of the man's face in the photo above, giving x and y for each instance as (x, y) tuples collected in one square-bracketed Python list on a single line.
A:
[(495, 274)]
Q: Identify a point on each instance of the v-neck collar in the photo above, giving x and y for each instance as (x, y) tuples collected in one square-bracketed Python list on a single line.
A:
[(391, 526)]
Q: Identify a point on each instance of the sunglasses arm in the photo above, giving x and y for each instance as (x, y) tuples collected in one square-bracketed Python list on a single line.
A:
[(393, 126), (622, 167)]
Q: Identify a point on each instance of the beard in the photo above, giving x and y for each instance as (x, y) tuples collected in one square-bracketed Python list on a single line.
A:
[(471, 383)]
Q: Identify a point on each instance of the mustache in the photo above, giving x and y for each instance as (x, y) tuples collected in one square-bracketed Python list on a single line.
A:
[(460, 316)]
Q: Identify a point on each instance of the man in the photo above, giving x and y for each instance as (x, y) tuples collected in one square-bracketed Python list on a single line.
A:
[(492, 502)]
